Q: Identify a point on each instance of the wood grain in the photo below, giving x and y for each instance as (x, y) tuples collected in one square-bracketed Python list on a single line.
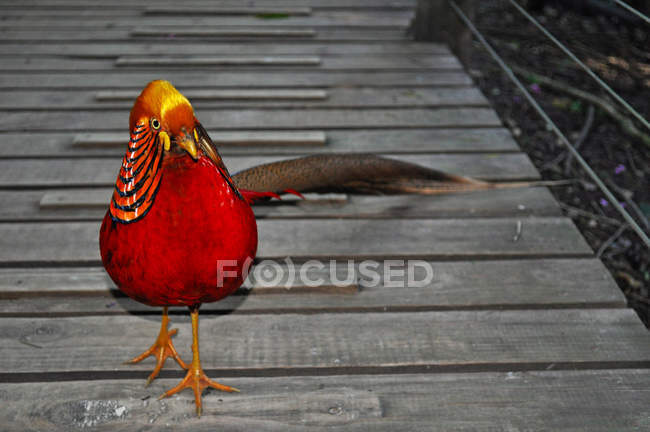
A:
[(89, 172), (232, 32), (89, 49), (222, 34), (159, 61), (264, 119), (245, 94), (248, 98), (62, 144), (277, 63), (76, 242), (599, 401), (237, 33), (120, 4), (90, 204), (125, 18), (236, 138), (97, 198), (137, 80), (535, 284), (249, 343), (221, 10)]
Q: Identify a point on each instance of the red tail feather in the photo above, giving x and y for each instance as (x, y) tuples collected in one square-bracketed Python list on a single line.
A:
[(294, 192), (253, 196)]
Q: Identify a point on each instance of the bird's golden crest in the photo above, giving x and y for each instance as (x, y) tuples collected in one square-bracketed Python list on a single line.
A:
[(160, 115)]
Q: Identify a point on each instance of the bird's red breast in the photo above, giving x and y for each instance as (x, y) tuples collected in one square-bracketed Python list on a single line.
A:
[(177, 232), (191, 245)]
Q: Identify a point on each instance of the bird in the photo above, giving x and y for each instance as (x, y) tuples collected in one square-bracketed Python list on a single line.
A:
[(176, 214)]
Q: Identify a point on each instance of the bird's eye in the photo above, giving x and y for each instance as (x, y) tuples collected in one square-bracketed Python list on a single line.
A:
[(155, 123)]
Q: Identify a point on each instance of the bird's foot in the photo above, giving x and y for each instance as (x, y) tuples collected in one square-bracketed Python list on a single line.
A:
[(197, 380), (161, 349)]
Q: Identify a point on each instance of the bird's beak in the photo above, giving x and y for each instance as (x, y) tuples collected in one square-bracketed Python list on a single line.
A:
[(187, 141)]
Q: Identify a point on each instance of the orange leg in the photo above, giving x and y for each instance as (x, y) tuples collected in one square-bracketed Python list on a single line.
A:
[(196, 378), (161, 349)]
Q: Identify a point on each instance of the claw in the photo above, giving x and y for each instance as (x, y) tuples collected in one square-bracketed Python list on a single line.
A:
[(161, 349), (198, 381)]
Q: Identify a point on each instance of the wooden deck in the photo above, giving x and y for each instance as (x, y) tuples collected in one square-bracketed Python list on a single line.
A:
[(514, 332)]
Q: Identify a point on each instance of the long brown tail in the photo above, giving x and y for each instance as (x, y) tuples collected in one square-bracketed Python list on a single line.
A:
[(361, 173)]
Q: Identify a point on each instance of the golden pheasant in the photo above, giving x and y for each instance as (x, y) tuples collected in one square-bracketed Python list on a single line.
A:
[(176, 213)]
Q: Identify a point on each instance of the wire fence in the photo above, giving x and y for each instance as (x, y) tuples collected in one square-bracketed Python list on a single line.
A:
[(551, 124), (632, 10)]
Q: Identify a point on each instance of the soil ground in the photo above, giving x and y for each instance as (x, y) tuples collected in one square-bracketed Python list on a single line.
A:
[(617, 49)]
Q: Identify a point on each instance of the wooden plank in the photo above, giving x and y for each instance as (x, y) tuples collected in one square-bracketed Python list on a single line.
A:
[(137, 80), (58, 144), (253, 98), (497, 203), (125, 18), (94, 198), (236, 138), (227, 33), (102, 172), (437, 62), (263, 119), (485, 202), (76, 242), (232, 32), (89, 281), (598, 401), (60, 14), (103, 50), (26, 206), (120, 4), (218, 61), (156, 12), (278, 63), (332, 341), (441, 238), (538, 283), (216, 13), (229, 94), (221, 10)]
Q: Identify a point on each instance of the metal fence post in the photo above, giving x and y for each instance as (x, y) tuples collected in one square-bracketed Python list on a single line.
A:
[(435, 21)]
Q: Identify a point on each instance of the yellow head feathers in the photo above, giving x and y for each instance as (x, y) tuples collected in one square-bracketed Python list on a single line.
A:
[(160, 100)]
